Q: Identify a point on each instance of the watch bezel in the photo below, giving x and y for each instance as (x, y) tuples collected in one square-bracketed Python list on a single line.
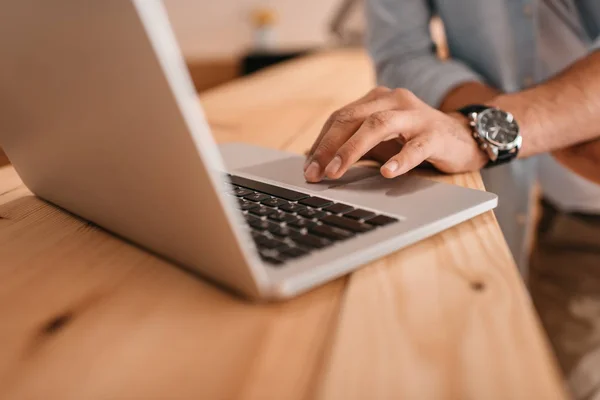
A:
[(483, 134)]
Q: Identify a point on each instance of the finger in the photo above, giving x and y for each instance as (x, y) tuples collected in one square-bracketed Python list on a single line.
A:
[(379, 127), (413, 153), (345, 125), (399, 98), (371, 95)]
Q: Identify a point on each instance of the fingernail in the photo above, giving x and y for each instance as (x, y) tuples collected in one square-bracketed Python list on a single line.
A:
[(391, 166), (313, 172), (333, 166)]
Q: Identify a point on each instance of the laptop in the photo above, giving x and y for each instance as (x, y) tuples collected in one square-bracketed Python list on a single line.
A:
[(100, 117)]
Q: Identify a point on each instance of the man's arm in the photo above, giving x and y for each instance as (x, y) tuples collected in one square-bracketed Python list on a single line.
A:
[(561, 112), (583, 159), (399, 41)]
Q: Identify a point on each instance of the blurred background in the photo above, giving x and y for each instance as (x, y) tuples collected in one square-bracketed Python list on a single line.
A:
[(228, 38), (225, 39)]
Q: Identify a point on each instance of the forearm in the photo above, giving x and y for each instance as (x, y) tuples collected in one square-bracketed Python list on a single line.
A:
[(560, 113)]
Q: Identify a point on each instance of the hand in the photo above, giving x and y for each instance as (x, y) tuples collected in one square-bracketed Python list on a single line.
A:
[(383, 115)]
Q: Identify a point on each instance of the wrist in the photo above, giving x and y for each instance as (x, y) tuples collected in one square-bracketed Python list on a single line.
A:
[(495, 131), (478, 156)]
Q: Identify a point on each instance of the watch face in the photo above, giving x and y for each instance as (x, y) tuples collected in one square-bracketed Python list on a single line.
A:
[(498, 127)]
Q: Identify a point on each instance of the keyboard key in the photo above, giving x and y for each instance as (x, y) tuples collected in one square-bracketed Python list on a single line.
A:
[(294, 252), (270, 258), (261, 225), (281, 216), (330, 232), (274, 235), (316, 202), (256, 197), (251, 218), (347, 223), (292, 207), (245, 205), (260, 237), (267, 243), (263, 211), (275, 191), (360, 214), (302, 223), (312, 213), (283, 231), (382, 220), (339, 208), (241, 192), (273, 202), (311, 241)]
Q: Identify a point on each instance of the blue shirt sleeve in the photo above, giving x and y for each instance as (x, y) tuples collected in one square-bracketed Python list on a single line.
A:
[(400, 44)]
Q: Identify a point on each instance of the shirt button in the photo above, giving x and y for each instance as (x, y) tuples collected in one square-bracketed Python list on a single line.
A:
[(528, 10), (527, 81)]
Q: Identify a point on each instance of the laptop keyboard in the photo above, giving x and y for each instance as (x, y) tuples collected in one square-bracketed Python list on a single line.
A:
[(286, 224)]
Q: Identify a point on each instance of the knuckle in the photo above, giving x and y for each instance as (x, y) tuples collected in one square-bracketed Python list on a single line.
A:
[(403, 137), (326, 147), (420, 146), (351, 147), (402, 92), (379, 90), (405, 95), (378, 120), (345, 115)]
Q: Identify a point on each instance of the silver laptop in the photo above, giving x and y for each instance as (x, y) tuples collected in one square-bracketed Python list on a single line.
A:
[(99, 116)]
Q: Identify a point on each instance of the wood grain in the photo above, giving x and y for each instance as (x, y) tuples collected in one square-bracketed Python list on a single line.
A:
[(88, 316)]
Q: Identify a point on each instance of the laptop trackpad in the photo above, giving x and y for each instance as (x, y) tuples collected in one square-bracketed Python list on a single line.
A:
[(280, 166), (360, 185), (289, 171)]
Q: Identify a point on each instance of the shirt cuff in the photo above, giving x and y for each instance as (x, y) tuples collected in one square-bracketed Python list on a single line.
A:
[(430, 79)]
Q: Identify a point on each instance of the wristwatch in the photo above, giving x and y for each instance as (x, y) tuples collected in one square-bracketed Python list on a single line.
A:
[(496, 132)]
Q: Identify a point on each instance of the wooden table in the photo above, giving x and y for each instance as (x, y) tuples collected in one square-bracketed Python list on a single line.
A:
[(87, 316)]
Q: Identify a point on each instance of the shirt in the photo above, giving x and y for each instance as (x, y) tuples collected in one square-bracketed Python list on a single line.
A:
[(508, 44)]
